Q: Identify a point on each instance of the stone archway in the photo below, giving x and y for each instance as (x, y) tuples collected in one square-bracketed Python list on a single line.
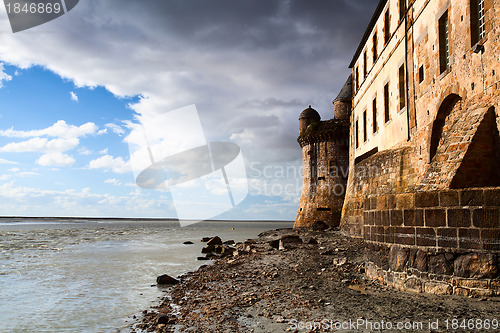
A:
[(448, 104), (481, 164)]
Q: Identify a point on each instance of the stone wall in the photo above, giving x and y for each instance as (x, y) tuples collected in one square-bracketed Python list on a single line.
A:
[(442, 242), (325, 169)]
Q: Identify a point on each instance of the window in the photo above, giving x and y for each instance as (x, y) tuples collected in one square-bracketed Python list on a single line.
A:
[(402, 9), (365, 65), (356, 134), (356, 79), (444, 44), (402, 87), (421, 74), (365, 132), (375, 55), (386, 103), (375, 125), (477, 21), (387, 27)]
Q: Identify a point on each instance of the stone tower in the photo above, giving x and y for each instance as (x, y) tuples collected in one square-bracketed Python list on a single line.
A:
[(325, 160)]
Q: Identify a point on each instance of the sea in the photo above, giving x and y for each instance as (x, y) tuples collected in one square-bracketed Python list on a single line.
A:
[(97, 275)]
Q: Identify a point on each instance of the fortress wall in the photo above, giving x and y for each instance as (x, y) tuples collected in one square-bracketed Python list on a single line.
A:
[(325, 171), (441, 242)]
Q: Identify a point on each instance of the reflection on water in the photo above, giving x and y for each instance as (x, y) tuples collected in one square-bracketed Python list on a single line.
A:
[(94, 276)]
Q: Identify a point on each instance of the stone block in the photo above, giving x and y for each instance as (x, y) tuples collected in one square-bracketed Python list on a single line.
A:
[(412, 217), (404, 235), (460, 218), (449, 198), (373, 203), (469, 239), (440, 264), (379, 234), (421, 261), (385, 218), (447, 237), (476, 265), (461, 291), (398, 258), (396, 218), (426, 237), (391, 201), (405, 201), (382, 202), (472, 283), (435, 218), (490, 239), (413, 284), (426, 199), (481, 292), (438, 288), (492, 197), (368, 218), (471, 198), (486, 218), (389, 235)]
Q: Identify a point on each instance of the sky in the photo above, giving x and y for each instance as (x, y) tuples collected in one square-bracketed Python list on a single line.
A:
[(73, 92)]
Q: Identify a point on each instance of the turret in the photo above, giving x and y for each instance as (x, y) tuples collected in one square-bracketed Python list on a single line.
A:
[(307, 117), (343, 103)]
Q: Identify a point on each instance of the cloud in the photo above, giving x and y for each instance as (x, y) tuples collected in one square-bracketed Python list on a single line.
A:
[(116, 129), (55, 159), (59, 129), (108, 162), (113, 181), (41, 145), (3, 76), (3, 161), (73, 96)]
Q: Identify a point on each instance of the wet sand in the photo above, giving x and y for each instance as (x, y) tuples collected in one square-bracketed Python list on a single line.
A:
[(314, 283)]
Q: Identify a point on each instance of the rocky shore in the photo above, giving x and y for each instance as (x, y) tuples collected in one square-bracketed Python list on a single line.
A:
[(305, 281)]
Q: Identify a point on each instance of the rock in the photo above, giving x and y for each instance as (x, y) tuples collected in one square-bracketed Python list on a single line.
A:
[(205, 239), (208, 249), (398, 258), (312, 241), (162, 319), (203, 258), (340, 261), (274, 243), (188, 243), (166, 279), (229, 242), (477, 265), (291, 239), (215, 241), (319, 226)]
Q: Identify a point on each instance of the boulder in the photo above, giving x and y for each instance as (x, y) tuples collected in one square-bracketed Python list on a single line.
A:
[(203, 258), (166, 279), (215, 241), (188, 243), (208, 249), (205, 239), (291, 239), (229, 242)]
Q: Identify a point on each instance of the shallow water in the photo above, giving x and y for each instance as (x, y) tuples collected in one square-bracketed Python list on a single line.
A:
[(76, 276)]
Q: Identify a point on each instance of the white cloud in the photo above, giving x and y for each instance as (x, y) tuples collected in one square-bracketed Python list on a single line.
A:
[(59, 129), (113, 181), (14, 170), (84, 151), (108, 162), (3, 76), (116, 129), (55, 159), (104, 151), (41, 145), (5, 177), (73, 96), (3, 161)]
